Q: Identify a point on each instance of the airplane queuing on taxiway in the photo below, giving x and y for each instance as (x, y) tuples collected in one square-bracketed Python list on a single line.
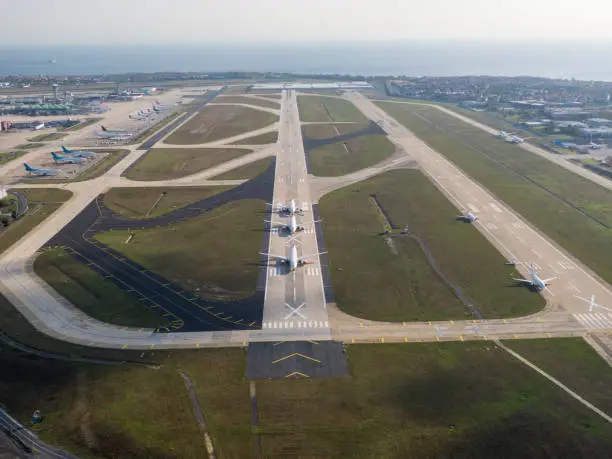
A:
[(59, 159), (290, 209), (535, 282), (293, 261), (40, 172), (80, 154), (467, 217), (292, 227)]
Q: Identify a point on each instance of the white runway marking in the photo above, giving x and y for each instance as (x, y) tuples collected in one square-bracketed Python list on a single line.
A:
[(296, 324), (473, 208), (491, 226), (598, 321), (518, 225), (573, 287), (495, 207), (566, 265), (536, 253)]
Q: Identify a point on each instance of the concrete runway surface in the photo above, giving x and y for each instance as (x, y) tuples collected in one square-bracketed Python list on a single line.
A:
[(295, 307)]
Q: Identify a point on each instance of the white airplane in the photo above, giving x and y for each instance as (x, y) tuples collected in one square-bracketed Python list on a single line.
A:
[(291, 209), (504, 135), (516, 139), (597, 146), (105, 133), (292, 227), (535, 281), (293, 261), (467, 217)]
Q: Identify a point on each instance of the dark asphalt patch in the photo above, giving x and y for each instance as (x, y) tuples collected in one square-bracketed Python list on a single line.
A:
[(184, 309), (296, 359), (323, 258)]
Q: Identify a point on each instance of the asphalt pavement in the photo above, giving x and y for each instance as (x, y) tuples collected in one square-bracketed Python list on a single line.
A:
[(184, 310)]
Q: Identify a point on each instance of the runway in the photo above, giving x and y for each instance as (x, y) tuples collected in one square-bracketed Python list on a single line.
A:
[(507, 230), (298, 306), (294, 306)]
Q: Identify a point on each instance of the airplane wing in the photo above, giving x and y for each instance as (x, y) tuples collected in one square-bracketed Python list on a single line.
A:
[(545, 281), (310, 255), (271, 255), (526, 281)]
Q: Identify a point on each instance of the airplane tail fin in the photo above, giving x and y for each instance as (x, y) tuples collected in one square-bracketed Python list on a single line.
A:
[(27, 168), (532, 269), (54, 155), (103, 128), (65, 150)]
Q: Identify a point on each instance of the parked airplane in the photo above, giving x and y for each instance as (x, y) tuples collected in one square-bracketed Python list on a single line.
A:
[(38, 127), (293, 261), (467, 217), (574, 146), (59, 159), (535, 281), (597, 146), (568, 145), (40, 172), (80, 154), (113, 135)]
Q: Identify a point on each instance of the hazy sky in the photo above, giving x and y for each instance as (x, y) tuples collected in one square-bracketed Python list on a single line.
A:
[(200, 21)]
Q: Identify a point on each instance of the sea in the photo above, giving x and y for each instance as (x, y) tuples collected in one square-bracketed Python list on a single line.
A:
[(580, 60)]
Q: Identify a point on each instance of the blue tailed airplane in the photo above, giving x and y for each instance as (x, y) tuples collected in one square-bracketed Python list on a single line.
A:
[(535, 282), (40, 172), (59, 159), (80, 154)]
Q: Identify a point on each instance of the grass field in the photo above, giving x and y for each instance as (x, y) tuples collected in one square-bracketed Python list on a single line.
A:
[(152, 202), (371, 282), (425, 401), (262, 139), (245, 172), (29, 146), (91, 293), (218, 122), (153, 129), (11, 155), (549, 196), (215, 254), (42, 202), (327, 131), (96, 170), (247, 100), (341, 158), (317, 108), (417, 401), (172, 163), (133, 412), (587, 373), (270, 96), (47, 137)]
